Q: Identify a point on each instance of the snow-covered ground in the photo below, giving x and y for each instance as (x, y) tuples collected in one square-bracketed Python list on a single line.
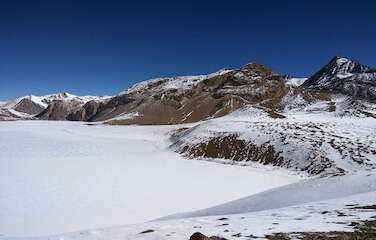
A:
[(331, 215), (58, 177), (305, 191)]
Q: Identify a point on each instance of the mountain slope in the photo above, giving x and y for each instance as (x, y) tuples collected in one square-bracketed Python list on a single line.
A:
[(342, 75), (192, 99), (315, 143)]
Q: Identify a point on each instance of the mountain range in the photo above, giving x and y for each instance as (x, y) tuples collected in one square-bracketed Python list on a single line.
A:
[(343, 86)]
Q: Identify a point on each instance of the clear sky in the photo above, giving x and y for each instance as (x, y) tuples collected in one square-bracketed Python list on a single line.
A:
[(101, 47)]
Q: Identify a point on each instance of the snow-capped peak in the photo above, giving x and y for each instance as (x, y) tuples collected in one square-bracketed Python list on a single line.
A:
[(341, 60), (342, 65), (338, 70), (43, 101)]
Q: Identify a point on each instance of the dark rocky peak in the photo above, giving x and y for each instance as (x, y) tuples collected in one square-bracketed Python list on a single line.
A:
[(256, 69), (338, 68), (340, 65), (346, 76)]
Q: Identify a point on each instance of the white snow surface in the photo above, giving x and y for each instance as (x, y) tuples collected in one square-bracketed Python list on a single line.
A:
[(58, 177), (295, 81), (305, 191), (124, 116), (330, 215)]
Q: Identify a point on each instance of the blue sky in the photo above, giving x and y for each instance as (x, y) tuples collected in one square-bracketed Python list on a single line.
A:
[(101, 47)]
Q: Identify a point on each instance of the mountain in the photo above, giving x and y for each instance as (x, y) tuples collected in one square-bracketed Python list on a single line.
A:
[(50, 107), (342, 75), (193, 98), (65, 107)]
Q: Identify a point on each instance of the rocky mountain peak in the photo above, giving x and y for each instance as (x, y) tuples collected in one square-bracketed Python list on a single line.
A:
[(344, 65), (346, 76), (256, 68)]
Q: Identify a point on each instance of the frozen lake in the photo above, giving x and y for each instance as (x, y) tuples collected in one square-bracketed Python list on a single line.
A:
[(60, 177)]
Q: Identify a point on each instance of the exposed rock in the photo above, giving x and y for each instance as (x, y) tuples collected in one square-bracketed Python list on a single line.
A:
[(86, 112), (26, 105), (147, 231), (234, 148), (191, 99), (59, 110), (71, 107), (9, 115), (200, 236)]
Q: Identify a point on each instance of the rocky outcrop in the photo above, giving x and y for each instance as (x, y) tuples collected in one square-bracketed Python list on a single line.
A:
[(342, 75), (230, 146), (86, 112), (26, 105), (59, 110), (71, 107), (200, 236)]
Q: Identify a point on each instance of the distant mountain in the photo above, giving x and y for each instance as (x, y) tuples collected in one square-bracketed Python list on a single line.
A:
[(39, 107), (342, 75)]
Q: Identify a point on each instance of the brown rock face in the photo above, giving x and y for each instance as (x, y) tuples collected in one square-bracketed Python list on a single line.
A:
[(85, 113), (28, 106), (178, 100), (59, 110), (233, 148)]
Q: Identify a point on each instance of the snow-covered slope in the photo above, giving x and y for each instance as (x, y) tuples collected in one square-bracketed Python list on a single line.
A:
[(341, 214), (317, 143), (306, 191), (294, 81)]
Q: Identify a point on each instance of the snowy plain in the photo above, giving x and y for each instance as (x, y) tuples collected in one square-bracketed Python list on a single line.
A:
[(330, 215), (58, 177)]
